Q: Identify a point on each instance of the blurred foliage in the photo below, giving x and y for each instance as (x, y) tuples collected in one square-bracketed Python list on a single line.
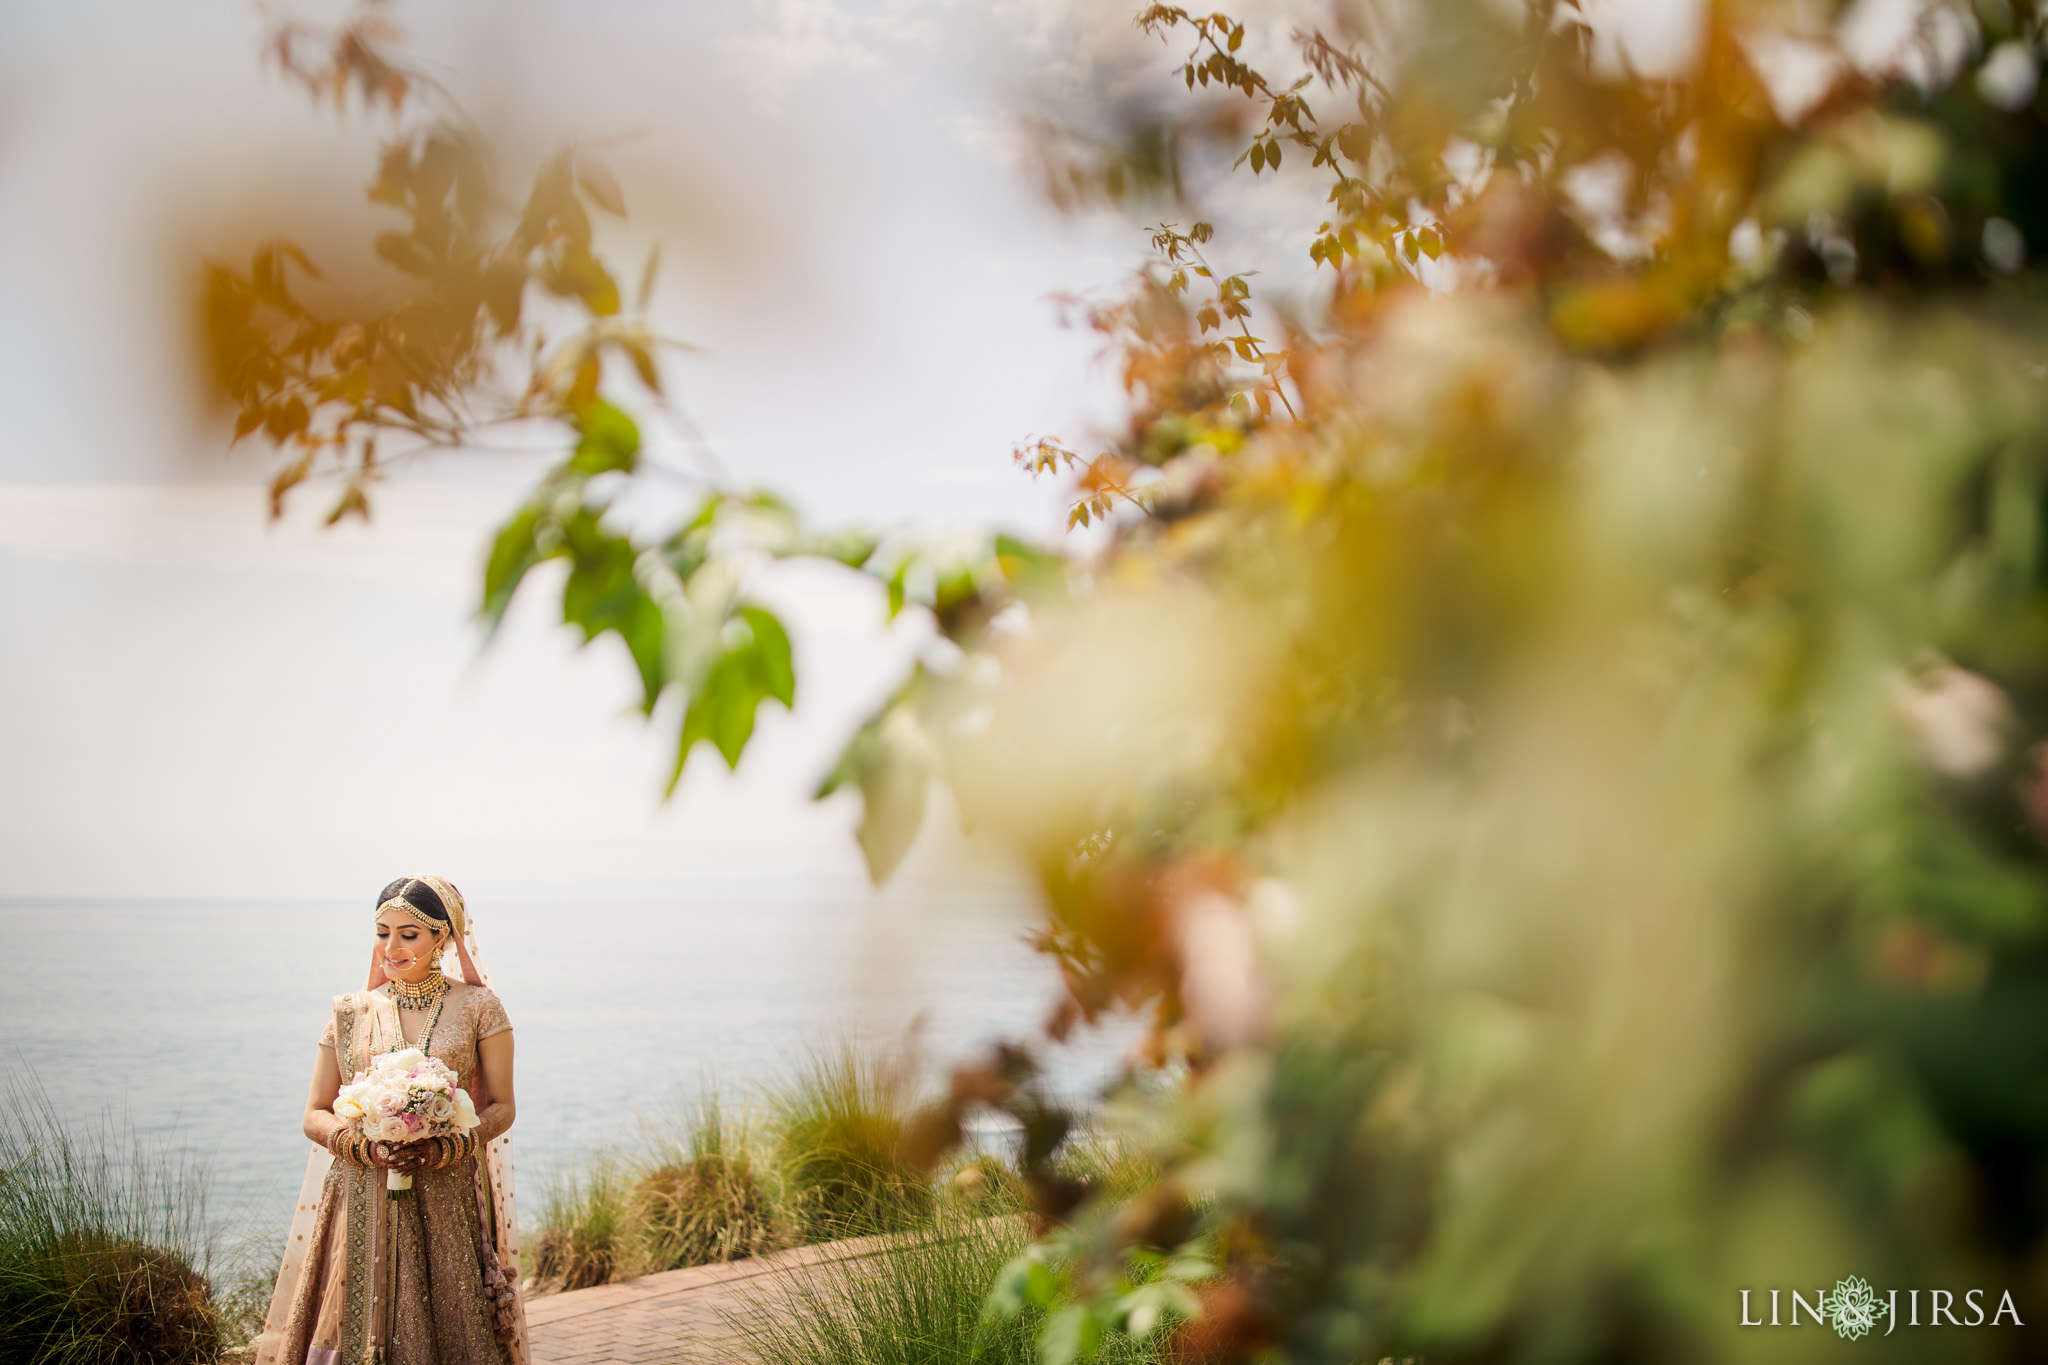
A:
[(1548, 725)]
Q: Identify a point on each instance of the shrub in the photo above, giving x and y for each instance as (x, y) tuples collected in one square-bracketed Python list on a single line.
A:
[(102, 1245)]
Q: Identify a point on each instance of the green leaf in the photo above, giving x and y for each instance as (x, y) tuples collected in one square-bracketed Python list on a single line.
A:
[(755, 667), (851, 548), (604, 593), (1041, 1286), (774, 666), (889, 760), (1006, 1297), (610, 440), (896, 587), (513, 552), (722, 711), (1071, 1334)]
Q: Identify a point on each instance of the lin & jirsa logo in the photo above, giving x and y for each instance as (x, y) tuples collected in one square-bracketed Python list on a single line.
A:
[(1853, 1309)]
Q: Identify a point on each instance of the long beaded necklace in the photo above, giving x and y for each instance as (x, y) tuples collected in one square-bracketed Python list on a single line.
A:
[(429, 994)]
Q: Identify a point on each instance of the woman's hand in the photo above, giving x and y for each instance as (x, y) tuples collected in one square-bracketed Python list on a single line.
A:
[(405, 1158)]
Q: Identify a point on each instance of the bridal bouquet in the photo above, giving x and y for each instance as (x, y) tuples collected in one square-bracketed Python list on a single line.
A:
[(405, 1096)]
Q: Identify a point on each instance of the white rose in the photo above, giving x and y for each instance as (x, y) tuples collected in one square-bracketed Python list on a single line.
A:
[(353, 1100), (404, 1059), (465, 1111)]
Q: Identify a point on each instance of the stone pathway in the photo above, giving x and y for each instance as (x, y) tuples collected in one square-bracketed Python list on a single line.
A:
[(676, 1316)]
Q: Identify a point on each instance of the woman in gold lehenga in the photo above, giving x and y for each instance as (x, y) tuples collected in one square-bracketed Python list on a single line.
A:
[(428, 1277)]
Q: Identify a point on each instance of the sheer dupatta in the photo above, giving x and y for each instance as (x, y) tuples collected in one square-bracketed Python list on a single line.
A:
[(365, 1025)]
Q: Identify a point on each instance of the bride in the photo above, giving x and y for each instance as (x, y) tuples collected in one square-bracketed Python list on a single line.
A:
[(428, 1279)]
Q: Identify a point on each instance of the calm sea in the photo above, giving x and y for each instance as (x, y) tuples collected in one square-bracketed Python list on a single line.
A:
[(199, 1021)]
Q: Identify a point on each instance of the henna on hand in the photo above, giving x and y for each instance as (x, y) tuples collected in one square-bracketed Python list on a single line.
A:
[(494, 1120), (403, 1157)]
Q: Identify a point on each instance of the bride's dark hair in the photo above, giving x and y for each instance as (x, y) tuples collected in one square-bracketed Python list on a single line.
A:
[(418, 895)]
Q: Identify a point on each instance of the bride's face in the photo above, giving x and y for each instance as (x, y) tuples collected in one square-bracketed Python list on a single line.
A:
[(407, 948)]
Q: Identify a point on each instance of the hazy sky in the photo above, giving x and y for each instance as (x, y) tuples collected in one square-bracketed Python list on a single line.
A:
[(195, 703)]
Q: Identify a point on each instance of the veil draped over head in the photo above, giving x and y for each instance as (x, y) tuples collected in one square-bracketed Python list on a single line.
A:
[(502, 1219)]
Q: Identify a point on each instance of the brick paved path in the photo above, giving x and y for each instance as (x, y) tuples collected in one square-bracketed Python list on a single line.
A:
[(667, 1318)]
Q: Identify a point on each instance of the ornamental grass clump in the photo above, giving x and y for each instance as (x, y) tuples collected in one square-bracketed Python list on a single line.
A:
[(922, 1301), (103, 1245), (701, 1196), (835, 1126), (583, 1218)]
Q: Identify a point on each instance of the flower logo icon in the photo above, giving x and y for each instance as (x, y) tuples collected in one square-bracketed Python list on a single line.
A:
[(1853, 1307)]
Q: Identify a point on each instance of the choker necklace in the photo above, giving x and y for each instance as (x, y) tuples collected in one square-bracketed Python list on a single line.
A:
[(419, 995)]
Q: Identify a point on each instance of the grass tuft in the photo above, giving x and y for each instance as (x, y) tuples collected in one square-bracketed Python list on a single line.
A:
[(701, 1196), (835, 1124), (917, 1303), (823, 1162), (583, 1217), (103, 1244)]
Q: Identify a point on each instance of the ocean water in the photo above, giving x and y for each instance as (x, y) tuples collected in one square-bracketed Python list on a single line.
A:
[(198, 1022)]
